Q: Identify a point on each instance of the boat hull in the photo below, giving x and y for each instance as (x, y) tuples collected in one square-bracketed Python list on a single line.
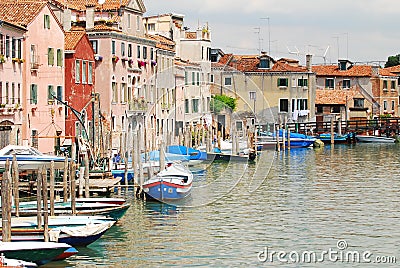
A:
[(163, 190), (374, 139)]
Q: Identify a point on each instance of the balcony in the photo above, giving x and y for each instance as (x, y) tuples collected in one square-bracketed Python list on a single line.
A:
[(138, 106), (35, 63)]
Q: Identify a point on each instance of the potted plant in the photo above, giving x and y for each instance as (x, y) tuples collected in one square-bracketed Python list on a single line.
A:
[(15, 60), (115, 58), (2, 58)]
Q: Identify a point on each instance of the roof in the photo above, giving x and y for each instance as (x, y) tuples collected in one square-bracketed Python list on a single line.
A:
[(21, 13), (393, 69), (103, 28), (72, 39), (80, 5), (250, 63), (339, 97), (333, 70), (163, 42)]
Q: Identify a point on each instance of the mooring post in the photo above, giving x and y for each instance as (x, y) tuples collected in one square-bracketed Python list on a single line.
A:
[(6, 203), (15, 184), (52, 178), (45, 206)]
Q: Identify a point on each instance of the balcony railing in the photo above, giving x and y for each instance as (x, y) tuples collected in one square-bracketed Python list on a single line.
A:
[(35, 63), (138, 105)]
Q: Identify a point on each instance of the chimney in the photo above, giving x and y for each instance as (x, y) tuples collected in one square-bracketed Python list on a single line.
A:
[(309, 62), (90, 17), (67, 20)]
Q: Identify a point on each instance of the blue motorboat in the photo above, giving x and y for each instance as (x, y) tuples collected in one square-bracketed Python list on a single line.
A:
[(326, 138), (297, 140), (172, 183)]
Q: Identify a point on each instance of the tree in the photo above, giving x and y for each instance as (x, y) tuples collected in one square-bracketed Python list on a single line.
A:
[(393, 61), (220, 102)]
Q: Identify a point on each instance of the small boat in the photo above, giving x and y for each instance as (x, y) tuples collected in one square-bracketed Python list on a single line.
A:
[(74, 236), (58, 221), (297, 140), (29, 158), (37, 252), (195, 156), (115, 212), (6, 262), (172, 183), (375, 139), (326, 138)]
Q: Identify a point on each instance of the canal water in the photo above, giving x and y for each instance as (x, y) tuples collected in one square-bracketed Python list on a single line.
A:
[(303, 208)]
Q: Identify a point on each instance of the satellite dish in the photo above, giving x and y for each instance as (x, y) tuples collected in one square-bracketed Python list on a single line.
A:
[(101, 2)]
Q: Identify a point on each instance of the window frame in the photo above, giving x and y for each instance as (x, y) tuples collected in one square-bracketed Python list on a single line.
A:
[(280, 105)]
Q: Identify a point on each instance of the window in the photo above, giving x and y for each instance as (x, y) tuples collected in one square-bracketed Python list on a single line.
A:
[(212, 78), (7, 93), (59, 57), (35, 139), (47, 21), (293, 105), (113, 47), (124, 93), (84, 69), (264, 64), (12, 93), (302, 82), (59, 92), (198, 79), (19, 49), (77, 71), (385, 105), (114, 92), (151, 27), (335, 109), (283, 105), (393, 85), (385, 84), (343, 66), (95, 45), (195, 105), (33, 93), (193, 78), (13, 47), (50, 94), (1, 44), (18, 93), (137, 23), (228, 81), (144, 53), (302, 104), (50, 56), (392, 105), (151, 53), (138, 52), (282, 82), (7, 46), (123, 49), (129, 21), (252, 95), (186, 106), (358, 103), (186, 78), (329, 83), (346, 83), (129, 50), (90, 73)]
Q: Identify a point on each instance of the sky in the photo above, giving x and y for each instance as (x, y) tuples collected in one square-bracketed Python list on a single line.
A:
[(358, 30)]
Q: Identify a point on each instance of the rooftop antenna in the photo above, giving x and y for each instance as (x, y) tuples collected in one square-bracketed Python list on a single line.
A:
[(324, 56), (297, 52), (259, 39)]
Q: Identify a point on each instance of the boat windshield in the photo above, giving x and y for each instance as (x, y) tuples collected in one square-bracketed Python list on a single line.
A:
[(23, 151)]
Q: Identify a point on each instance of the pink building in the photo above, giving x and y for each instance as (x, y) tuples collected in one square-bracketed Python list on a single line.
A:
[(43, 120), (11, 65)]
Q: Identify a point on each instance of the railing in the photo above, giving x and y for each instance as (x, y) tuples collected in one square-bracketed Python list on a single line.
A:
[(35, 63), (138, 105)]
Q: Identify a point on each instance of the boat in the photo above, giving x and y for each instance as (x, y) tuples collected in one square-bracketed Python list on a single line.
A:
[(297, 140), (29, 158), (195, 156), (115, 212), (326, 138), (37, 252), (74, 236), (6, 262), (57, 221), (375, 139), (172, 183)]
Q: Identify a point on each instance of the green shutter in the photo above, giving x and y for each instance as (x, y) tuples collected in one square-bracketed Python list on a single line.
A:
[(50, 56), (59, 57)]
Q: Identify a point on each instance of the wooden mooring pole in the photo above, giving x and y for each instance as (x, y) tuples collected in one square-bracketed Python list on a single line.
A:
[(6, 203), (15, 184)]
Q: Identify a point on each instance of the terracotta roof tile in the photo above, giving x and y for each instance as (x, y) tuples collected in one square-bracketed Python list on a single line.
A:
[(393, 69), (333, 70), (72, 39), (103, 28), (80, 5), (326, 96), (20, 13), (163, 42)]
